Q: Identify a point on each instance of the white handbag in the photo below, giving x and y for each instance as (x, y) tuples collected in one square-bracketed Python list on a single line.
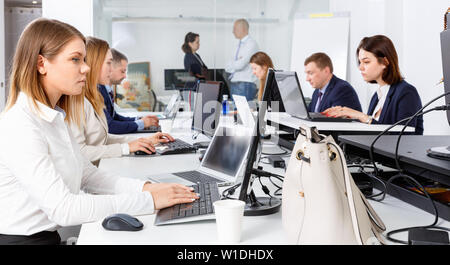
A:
[(321, 202)]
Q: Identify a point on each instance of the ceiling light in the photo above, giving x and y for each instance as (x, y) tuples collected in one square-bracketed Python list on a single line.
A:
[(34, 2)]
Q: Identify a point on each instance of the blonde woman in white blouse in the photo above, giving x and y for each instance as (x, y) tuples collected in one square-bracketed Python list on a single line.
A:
[(92, 135), (41, 167)]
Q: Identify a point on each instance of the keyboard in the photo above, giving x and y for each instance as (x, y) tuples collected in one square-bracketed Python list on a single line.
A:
[(151, 129), (201, 209), (197, 177), (317, 116), (176, 147)]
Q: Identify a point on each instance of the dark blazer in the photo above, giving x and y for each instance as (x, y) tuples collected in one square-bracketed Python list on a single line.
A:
[(339, 93), (117, 124), (193, 65), (402, 101)]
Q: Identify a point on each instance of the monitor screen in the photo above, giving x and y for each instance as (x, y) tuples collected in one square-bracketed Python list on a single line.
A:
[(227, 151), (178, 79), (291, 94), (206, 108), (445, 49), (271, 93)]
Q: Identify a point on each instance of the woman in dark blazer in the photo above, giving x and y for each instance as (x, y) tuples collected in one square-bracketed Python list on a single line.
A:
[(192, 61), (395, 98)]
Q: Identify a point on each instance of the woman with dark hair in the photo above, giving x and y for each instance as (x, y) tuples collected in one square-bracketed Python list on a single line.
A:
[(192, 61), (395, 98), (260, 63)]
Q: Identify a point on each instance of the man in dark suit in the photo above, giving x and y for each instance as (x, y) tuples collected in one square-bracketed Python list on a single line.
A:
[(329, 91), (118, 124)]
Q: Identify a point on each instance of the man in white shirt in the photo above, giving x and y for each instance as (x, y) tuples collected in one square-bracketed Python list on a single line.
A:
[(241, 76)]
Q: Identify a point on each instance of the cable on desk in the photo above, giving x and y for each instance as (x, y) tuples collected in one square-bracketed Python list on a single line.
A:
[(436, 214), (397, 162), (373, 196), (408, 119), (230, 191)]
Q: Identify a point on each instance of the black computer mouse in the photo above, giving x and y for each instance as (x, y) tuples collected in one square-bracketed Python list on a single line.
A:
[(122, 222), (142, 153)]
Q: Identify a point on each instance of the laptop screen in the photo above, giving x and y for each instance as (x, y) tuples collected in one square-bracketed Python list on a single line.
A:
[(291, 94), (206, 109), (227, 151)]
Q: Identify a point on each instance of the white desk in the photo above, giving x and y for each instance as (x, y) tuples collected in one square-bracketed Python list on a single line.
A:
[(259, 230), (358, 127)]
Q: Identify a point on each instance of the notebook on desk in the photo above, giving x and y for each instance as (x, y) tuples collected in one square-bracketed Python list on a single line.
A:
[(222, 163), (294, 101)]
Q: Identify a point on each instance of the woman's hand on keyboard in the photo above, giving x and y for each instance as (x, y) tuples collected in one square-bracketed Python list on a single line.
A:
[(142, 144), (160, 137), (168, 194)]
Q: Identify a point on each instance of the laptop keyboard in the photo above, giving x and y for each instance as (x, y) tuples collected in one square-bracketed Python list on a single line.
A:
[(197, 177), (176, 147), (209, 193)]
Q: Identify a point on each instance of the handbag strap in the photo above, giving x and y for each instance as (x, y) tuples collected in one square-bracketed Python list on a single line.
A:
[(378, 223)]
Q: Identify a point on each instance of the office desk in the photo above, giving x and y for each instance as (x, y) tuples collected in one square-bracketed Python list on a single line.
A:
[(332, 127), (257, 230), (412, 158)]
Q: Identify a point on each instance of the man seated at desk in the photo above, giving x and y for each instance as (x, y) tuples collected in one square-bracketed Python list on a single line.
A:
[(118, 124), (329, 91)]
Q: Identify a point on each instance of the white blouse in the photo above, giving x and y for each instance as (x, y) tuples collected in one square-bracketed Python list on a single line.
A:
[(382, 92), (95, 141), (42, 172)]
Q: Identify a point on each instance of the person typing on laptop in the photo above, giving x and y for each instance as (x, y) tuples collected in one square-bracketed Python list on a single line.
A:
[(329, 90), (117, 123), (92, 135), (395, 99), (43, 171)]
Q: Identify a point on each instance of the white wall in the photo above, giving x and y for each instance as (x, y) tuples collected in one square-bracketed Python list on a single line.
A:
[(78, 13), (423, 21), (159, 40)]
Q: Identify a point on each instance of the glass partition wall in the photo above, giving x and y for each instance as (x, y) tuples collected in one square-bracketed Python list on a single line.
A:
[(153, 32)]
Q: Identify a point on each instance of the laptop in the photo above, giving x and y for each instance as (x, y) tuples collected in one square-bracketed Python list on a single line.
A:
[(223, 162), (294, 101), (207, 108), (244, 112), (171, 108)]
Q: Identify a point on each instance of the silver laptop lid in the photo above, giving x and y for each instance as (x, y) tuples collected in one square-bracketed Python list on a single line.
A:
[(291, 94), (170, 106), (227, 152), (247, 118)]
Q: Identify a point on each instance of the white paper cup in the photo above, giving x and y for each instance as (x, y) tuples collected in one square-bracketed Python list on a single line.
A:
[(229, 215)]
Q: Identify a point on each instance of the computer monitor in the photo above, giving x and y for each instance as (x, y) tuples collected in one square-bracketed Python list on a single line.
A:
[(219, 75), (443, 152), (271, 93), (178, 79), (207, 108), (256, 205), (445, 49)]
